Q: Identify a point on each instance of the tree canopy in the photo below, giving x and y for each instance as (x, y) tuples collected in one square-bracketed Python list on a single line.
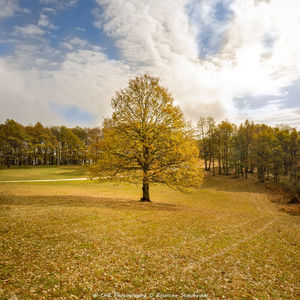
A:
[(147, 140)]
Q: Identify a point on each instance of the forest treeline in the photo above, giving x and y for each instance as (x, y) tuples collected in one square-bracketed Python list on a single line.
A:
[(40, 145), (272, 153)]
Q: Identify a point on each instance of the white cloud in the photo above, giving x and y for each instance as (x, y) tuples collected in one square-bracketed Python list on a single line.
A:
[(43, 21), (8, 8), (80, 29), (272, 113), (67, 46), (148, 33), (22, 100), (48, 9), (36, 30), (29, 30), (259, 55), (258, 69), (155, 38), (28, 56), (86, 79), (76, 43), (60, 4)]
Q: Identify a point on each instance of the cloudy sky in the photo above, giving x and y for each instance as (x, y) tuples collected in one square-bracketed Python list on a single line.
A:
[(62, 61)]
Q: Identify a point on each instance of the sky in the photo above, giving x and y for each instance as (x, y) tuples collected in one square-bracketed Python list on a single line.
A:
[(61, 62)]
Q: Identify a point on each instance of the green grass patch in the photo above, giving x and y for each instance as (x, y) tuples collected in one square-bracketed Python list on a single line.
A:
[(42, 172)]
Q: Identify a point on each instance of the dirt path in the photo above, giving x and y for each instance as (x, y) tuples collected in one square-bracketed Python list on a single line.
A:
[(264, 211)]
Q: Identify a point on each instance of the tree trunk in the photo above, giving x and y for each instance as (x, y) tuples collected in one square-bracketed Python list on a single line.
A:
[(7, 162), (146, 196), (220, 167)]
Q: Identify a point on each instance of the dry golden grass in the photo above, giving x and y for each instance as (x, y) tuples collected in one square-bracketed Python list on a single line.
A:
[(75, 239)]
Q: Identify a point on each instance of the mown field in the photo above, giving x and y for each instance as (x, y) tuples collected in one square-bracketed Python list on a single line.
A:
[(42, 172), (79, 239)]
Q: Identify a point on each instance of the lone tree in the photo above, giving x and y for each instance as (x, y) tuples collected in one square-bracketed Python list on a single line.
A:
[(147, 140)]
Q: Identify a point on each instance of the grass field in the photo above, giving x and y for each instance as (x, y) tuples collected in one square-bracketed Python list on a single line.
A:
[(77, 239), (42, 172)]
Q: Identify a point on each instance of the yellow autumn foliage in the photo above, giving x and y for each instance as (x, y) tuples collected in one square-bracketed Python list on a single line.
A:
[(147, 140)]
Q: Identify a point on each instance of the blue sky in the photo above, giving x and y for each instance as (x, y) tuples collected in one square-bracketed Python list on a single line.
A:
[(62, 61), (66, 22)]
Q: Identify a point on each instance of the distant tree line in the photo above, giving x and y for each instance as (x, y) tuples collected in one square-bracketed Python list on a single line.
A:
[(39, 145), (272, 153)]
